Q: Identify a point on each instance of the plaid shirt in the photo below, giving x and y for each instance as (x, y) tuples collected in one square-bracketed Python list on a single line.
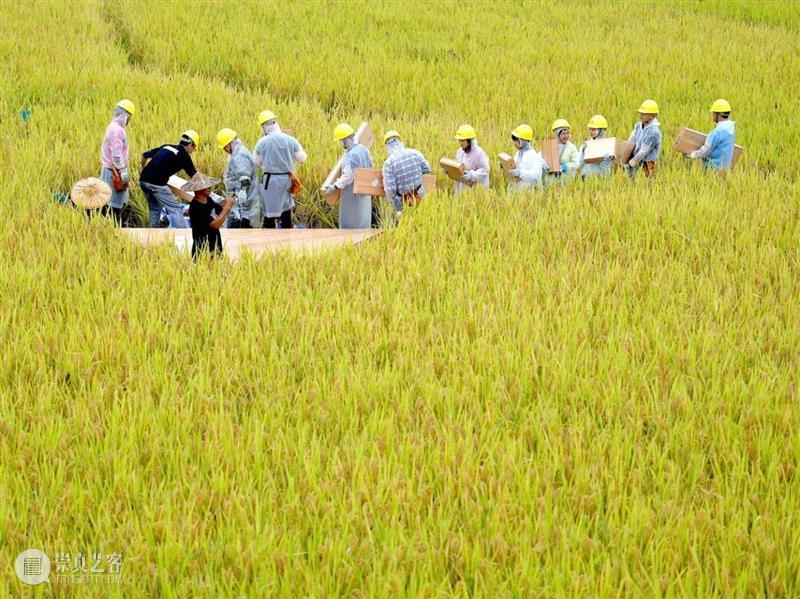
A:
[(402, 174)]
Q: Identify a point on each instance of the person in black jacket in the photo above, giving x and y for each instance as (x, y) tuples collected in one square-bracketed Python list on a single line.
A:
[(206, 215), (159, 164)]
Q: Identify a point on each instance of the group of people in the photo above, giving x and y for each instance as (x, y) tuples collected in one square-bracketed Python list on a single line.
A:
[(268, 200)]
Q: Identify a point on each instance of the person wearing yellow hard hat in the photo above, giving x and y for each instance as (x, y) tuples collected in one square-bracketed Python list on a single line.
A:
[(568, 156), (529, 164), (474, 159), (717, 151), (598, 125), (646, 137), (114, 156), (158, 165), (402, 174), (355, 211), (276, 153), (241, 181)]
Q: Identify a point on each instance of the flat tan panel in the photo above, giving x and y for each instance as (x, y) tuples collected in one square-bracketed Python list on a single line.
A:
[(597, 148), (369, 181), (175, 183), (551, 155), (624, 152), (429, 183), (258, 242), (689, 140), (453, 168), (507, 162)]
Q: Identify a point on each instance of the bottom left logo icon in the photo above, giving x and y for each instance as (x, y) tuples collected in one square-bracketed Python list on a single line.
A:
[(33, 566)]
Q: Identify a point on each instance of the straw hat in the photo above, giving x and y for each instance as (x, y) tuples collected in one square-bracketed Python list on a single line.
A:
[(90, 193), (199, 182)]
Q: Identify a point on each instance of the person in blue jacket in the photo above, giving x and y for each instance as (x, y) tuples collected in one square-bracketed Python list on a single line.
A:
[(717, 152)]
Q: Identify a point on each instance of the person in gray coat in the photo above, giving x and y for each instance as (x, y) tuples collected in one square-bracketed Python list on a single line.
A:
[(276, 153), (355, 211), (240, 179)]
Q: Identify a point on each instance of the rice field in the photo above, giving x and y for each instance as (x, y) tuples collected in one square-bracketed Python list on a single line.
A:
[(586, 392)]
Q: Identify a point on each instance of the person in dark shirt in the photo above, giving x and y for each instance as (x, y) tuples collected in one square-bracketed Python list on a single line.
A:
[(158, 165), (206, 215)]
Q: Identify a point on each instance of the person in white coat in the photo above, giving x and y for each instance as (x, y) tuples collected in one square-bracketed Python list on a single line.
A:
[(474, 159), (529, 164), (355, 211), (598, 125)]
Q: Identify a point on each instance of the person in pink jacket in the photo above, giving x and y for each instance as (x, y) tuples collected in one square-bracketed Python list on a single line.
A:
[(114, 157), (474, 159)]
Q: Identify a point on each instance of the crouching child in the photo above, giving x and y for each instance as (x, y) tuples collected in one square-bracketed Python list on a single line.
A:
[(206, 215)]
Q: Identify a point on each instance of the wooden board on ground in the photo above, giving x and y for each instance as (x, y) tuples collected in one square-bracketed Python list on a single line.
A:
[(369, 181), (507, 162), (366, 138), (175, 183), (551, 155), (597, 148), (453, 168), (259, 242), (624, 152), (689, 140)]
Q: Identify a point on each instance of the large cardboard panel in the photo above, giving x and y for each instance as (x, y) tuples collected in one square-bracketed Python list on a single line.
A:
[(551, 155), (597, 148), (369, 181), (453, 168), (689, 140)]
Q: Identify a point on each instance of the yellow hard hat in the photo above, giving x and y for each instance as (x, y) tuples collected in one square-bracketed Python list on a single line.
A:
[(342, 131), (721, 105), (560, 124), (598, 121), (465, 132), (127, 106), (224, 137), (391, 135), (193, 135), (266, 115), (523, 132), (649, 107)]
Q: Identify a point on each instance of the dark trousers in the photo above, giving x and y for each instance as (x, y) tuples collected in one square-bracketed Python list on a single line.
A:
[(115, 213), (271, 222)]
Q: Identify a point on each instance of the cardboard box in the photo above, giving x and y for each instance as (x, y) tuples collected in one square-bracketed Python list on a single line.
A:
[(366, 138), (624, 152), (369, 181), (175, 183), (689, 140), (597, 148), (551, 155), (507, 162), (453, 168)]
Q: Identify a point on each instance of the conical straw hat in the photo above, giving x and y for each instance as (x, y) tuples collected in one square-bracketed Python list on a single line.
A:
[(199, 181), (90, 193)]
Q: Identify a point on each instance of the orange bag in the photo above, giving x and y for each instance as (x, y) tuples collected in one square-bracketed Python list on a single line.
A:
[(296, 187), (116, 180)]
